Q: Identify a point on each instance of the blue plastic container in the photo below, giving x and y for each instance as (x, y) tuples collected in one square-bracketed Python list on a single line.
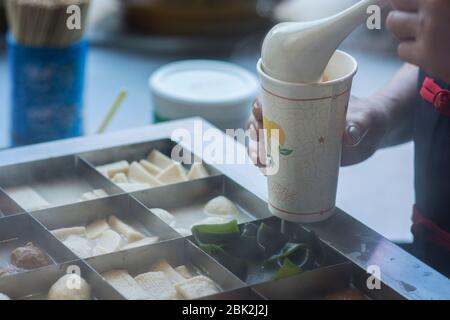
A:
[(47, 86)]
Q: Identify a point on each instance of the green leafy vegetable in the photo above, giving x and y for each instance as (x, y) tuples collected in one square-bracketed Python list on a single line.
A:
[(298, 253), (235, 265), (270, 239), (217, 233), (257, 245), (250, 231), (288, 269)]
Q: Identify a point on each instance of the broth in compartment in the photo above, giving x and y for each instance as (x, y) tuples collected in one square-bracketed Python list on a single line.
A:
[(18, 255), (207, 210)]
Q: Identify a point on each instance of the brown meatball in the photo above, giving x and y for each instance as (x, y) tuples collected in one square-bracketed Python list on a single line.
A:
[(29, 257)]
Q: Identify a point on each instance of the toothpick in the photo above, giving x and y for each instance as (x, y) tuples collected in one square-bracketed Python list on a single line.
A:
[(112, 111)]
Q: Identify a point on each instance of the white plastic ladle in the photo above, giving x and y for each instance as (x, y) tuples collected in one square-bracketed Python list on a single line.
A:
[(309, 10), (300, 51)]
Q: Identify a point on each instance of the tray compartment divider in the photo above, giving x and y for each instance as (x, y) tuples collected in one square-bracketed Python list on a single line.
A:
[(123, 206), (37, 283), (8, 206), (95, 178), (23, 228), (177, 252)]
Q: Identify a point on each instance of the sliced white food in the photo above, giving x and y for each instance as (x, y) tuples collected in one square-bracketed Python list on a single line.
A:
[(138, 174), (197, 171), (110, 241), (170, 272), (88, 196), (141, 243), (131, 187), (96, 194), (150, 167), (159, 159), (196, 287), (120, 178), (61, 290), (100, 193), (165, 216), (96, 228), (221, 206), (64, 233), (126, 285), (27, 197), (125, 230), (79, 245), (184, 271), (157, 285), (111, 169), (173, 174)]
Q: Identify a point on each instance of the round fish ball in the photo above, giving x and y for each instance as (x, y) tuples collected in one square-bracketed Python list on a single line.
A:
[(221, 206), (62, 289)]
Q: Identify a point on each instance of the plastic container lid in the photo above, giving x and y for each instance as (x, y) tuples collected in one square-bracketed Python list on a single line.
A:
[(220, 92)]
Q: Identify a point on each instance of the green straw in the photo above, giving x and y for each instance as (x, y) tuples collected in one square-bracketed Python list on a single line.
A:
[(112, 111)]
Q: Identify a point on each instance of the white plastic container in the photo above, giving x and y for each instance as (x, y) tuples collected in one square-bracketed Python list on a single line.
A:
[(219, 92)]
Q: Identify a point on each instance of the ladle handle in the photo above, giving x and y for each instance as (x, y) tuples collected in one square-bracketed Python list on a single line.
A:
[(356, 14)]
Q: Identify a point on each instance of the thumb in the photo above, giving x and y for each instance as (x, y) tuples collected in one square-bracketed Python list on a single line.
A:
[(364, 131), (354, 134)]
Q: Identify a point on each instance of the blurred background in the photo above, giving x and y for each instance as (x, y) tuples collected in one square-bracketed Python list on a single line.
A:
[(130, 39)]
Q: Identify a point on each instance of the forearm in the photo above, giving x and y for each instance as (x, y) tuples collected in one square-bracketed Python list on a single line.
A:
[(397, 100)]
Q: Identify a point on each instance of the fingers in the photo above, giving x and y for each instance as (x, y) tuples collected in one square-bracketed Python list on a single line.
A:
[(256, 148), (365, 129), (406, 5), (257, 109), (253, 144), (256, 118), (403, 25), (409, 51), (354, 134), (357, 146)]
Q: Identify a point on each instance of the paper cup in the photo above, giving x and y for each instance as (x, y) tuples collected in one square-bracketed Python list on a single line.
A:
[(304, 150)]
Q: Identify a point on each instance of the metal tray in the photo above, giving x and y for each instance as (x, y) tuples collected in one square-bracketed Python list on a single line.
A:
[(123, 206), (8, 206), (245, 293), (177, 252), (35, 285), (62, 171), (59, 181), (256, 275), (319, 284), (18, 230), (137, 152), (187, 200)]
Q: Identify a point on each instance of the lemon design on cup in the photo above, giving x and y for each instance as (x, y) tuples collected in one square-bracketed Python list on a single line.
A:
[(270, 127)]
